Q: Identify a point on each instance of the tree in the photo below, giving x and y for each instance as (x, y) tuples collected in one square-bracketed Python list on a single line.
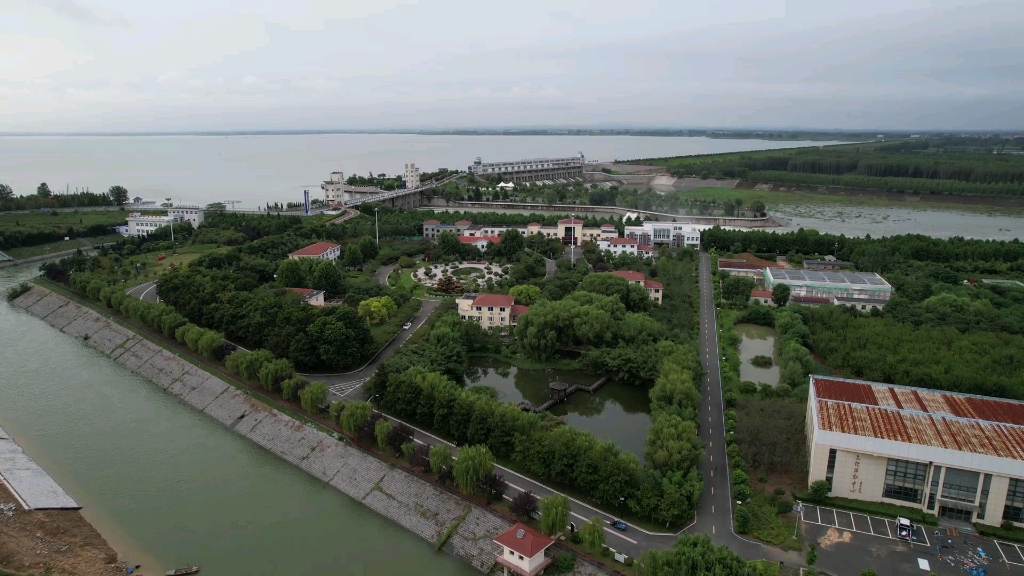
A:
[(819, 490), (524, 506), (812, 555), (493, 486), (368, 248), (757, 206), (354, 416), (780, 295), (292, 274), (312, 397), (868, 572), (449, 285), (694, 555), (554, 514), (353, 257), (118, 195), (6, 193), (473, 464), (743, 520), (377, 310), (328, 278), (511, 244), (592, 535), (381, 431), (43, 191), (448, 244), (440, 458), (736, 289), (525, 294)]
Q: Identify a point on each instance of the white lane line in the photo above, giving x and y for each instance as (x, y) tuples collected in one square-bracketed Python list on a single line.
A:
[(818, 509), (835, 517), (620, 535), (1001, 552), (143, 297), (887, 529)]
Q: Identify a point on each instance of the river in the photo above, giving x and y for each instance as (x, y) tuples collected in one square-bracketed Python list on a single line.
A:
[(256, 169), (167, 485)]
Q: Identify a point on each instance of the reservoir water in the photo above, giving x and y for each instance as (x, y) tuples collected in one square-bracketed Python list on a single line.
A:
[(167, 485), (758, 341), (277, 168)]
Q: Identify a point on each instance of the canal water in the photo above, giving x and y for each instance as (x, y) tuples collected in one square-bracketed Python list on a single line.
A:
[(167, 485), (617, 412), (758, 341)]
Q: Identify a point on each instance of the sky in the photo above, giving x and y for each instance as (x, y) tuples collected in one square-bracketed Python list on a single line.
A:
[(188, 65)]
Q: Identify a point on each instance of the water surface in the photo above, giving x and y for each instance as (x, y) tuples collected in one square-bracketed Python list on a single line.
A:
[(758, 341), (167, 485)]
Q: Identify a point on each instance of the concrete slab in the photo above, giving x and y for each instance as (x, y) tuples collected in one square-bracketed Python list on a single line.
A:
[(30, 482)]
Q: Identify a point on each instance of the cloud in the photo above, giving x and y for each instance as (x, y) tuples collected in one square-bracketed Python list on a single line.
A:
[(83, 15)]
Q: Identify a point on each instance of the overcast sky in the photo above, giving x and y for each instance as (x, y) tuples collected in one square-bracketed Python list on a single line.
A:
[(138, 65)]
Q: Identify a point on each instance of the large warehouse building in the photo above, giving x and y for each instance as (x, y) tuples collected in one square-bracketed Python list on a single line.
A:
[(958, 456), (829, 284)]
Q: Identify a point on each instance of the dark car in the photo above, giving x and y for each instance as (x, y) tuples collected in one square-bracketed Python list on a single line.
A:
[(619, 525)]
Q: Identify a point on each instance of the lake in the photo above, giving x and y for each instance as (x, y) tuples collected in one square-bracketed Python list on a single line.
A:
[(758, 341), (256, 169), (617, 412)]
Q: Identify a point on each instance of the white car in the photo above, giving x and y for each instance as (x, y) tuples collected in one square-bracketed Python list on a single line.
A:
[(407, 325)]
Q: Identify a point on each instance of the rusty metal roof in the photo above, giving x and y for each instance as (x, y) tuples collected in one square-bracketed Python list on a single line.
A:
[(962, 422)]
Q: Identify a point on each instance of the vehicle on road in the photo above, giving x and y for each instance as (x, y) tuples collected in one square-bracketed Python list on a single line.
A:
[(619, 525), (407, 325), (904, 529)]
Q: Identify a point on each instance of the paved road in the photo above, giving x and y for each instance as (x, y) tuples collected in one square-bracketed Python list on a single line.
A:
[(145, 292), (382, 273)]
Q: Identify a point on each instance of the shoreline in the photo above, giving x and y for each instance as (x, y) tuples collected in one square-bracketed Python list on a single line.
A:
[(400, 496)]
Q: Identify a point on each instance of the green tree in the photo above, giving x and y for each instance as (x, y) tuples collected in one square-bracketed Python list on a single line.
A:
[(354, 415), (353, 257), (312, 397), (757, 206), (440, 457), (819, 490), (43, 191), (743, 520), (6, 193), (693, 555), (473, 463), (328, 278), (868, 572), (524, 506), (377, 310), (368, 248), (554, 514), (292, 274), (511, 244), (118, 195), (525, 294), (381, 430), (448, 244), (736, 289), (812, 555), (592, 535), (780, 295)]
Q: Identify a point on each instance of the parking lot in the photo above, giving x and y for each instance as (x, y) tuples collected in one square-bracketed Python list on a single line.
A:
[(1012, 553), (854, 522)]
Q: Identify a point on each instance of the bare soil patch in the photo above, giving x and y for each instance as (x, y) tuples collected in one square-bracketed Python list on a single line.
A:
[(57, 542)]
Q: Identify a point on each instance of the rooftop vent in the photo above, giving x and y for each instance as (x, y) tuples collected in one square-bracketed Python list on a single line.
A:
[(520, 533)]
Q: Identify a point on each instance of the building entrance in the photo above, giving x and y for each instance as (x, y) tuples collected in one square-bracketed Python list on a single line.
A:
[(955, 514)]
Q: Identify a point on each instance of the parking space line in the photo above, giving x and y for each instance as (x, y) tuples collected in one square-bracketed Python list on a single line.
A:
[(853, 522), (870, 527), (835, 517), (889, 530), (818, 508), (1001, 551), (924, 532)]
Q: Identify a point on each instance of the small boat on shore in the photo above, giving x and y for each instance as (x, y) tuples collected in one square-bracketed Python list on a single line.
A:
[(183, 571)]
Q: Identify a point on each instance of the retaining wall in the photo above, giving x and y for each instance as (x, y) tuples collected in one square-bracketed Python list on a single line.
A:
[(417, 505)]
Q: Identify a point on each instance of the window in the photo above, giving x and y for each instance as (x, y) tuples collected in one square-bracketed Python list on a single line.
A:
[(1014, 509), (960, 485), (490, 319), (985, 485), (936, 474), (490, 308), (904, 480), (502, 309), (830, 470), (520, 556), (511, 553)]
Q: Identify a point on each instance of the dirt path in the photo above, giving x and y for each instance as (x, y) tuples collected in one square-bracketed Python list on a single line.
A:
[(58, 542)]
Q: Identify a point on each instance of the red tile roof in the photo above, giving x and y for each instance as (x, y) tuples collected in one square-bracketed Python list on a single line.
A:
[(431, 222), (570, 221), (494, 300), (630, 275), (524, 540), (518, 309), (463, 222), (303, 291), (645, 248), (652, 284), (739, 264), (471, 239), (314, 249), (962, 422), (607, 225), (622, 241), (534, 224), (760, 294)]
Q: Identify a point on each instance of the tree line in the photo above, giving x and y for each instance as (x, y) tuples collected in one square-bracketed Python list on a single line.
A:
[(46, 198)]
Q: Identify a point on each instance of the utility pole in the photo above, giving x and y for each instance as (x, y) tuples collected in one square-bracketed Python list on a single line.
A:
[(376, 228), (572, 242), (172, 219)]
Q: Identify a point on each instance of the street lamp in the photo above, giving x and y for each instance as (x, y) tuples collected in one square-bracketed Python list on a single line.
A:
[(376, 228), (572, 235), (172, 218)]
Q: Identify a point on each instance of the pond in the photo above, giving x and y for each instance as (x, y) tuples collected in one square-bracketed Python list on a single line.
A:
[(617, 412), (758, 341)]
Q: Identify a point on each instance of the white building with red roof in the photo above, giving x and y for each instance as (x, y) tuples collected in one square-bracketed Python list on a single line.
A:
[(567, 231), (655, 289), (958, 456), (522, 550), (479, 241), (625, 246), (763, 297), (490, 310), (310, 296), (323, 250)]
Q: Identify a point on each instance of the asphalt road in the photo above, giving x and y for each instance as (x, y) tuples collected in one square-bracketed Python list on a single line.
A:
[(145, 292)]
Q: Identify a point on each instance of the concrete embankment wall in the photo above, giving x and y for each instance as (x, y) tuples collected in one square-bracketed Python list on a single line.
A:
[(411, 502)]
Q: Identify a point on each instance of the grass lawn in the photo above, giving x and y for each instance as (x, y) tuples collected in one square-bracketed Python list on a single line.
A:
[(153, 267), (404, 279), (60, 219), (768, 526), (52, 247)]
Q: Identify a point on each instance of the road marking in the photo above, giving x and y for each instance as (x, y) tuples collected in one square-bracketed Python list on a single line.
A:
[(151, 286), (887, 528), (835, 517), (712, 490), (712, 529), (712, 508), (345, 388), (712, 473)]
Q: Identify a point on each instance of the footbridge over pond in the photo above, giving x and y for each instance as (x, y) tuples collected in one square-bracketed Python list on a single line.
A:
[(560, 392)]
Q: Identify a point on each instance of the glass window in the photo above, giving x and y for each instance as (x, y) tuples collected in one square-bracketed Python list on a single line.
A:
[(985, 485), (936, 474), (960, 485), (904, 480), (1014, 509), (830, 470)]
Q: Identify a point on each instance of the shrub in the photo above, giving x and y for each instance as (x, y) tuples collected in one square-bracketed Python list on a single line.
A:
[(381, 431), (16, 291), (819, 491), (562, 564), (742, 520), (354, 416), (272, 373), (336, 409), (290, 388), (524, 505), (780, 491), (312, 397), (440, 458)]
